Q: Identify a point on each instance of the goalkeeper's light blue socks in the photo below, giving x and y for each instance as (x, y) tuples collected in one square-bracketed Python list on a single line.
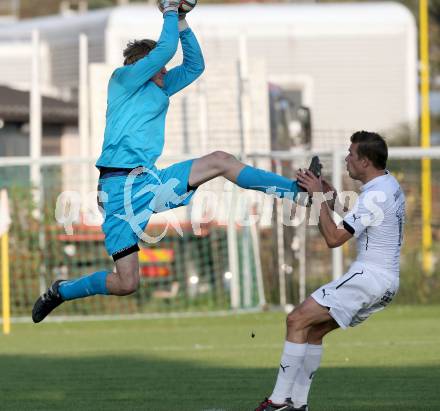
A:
[(85, 286), (267, 182)]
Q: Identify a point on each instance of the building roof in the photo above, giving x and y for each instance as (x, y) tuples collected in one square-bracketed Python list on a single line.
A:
[(376, 16), (14, 106), (51, 25)]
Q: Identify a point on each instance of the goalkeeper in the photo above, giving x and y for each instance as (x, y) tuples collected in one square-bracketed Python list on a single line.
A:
[(130, 187)]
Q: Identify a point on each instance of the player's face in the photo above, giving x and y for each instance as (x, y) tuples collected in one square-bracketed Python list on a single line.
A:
[(158, 77), (353, 162)]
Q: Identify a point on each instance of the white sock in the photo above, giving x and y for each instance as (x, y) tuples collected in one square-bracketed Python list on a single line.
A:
[(291, 361), (311, 363)]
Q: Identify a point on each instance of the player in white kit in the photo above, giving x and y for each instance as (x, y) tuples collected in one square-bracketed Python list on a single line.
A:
[(376, 221)]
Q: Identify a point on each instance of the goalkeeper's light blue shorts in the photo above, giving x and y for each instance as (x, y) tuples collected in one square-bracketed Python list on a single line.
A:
[(128, 199)]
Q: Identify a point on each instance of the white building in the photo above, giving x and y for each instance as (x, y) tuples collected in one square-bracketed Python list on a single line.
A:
[(353, 65)]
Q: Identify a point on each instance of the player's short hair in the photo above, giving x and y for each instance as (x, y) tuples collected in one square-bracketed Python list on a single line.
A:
[(372, 146), (137, 49)]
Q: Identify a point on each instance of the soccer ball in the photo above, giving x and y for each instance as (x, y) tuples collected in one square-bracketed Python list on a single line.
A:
[(187, 5)]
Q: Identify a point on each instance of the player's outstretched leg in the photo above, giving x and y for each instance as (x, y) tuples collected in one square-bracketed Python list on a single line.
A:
[(123, 281), (63, 290), (220, 163)]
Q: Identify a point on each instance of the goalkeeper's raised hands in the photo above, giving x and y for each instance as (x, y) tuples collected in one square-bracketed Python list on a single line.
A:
[(168, 5)]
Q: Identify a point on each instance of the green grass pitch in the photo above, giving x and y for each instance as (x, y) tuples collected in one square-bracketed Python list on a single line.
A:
[(392, 362)]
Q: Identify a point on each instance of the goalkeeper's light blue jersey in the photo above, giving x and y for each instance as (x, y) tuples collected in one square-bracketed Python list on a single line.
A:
[(137, 107)]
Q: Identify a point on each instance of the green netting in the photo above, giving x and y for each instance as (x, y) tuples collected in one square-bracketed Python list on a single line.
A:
[(415, 285), (189, 278), (193, 278)]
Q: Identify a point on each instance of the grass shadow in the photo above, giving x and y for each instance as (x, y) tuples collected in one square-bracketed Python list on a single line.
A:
[(139, 383)]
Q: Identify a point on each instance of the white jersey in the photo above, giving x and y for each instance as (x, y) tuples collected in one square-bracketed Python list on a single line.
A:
[(376, 221)]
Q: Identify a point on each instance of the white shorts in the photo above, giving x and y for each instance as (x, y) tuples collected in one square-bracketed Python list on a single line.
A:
[(362, 291)]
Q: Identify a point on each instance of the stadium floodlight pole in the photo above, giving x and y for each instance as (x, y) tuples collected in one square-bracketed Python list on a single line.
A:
[(280, 245), (36, 125), (425, 134), (250, 234), (35, 120), (83, 120), (257, 261), (337, 255), (243, 117), (247, 276), (233, 257), (245, 104)]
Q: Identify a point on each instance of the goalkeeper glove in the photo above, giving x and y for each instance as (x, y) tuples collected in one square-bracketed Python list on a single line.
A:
[(168, 5)]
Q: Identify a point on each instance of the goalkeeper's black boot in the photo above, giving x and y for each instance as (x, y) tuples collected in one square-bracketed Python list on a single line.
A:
[(48, 301), (315, 167), (268, 405)]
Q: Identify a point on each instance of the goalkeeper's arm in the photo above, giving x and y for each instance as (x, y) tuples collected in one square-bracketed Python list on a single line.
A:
[(192, 66), (134, 75)]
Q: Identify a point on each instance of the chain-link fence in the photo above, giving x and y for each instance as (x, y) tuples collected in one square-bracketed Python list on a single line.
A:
[(55, 234), (302, 261), (229, 248)]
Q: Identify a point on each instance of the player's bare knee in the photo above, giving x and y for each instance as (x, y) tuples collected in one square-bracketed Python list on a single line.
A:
[(294, 321), (128, 282), (221, 159), (298, 319), (129, 285), (221, 156)]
